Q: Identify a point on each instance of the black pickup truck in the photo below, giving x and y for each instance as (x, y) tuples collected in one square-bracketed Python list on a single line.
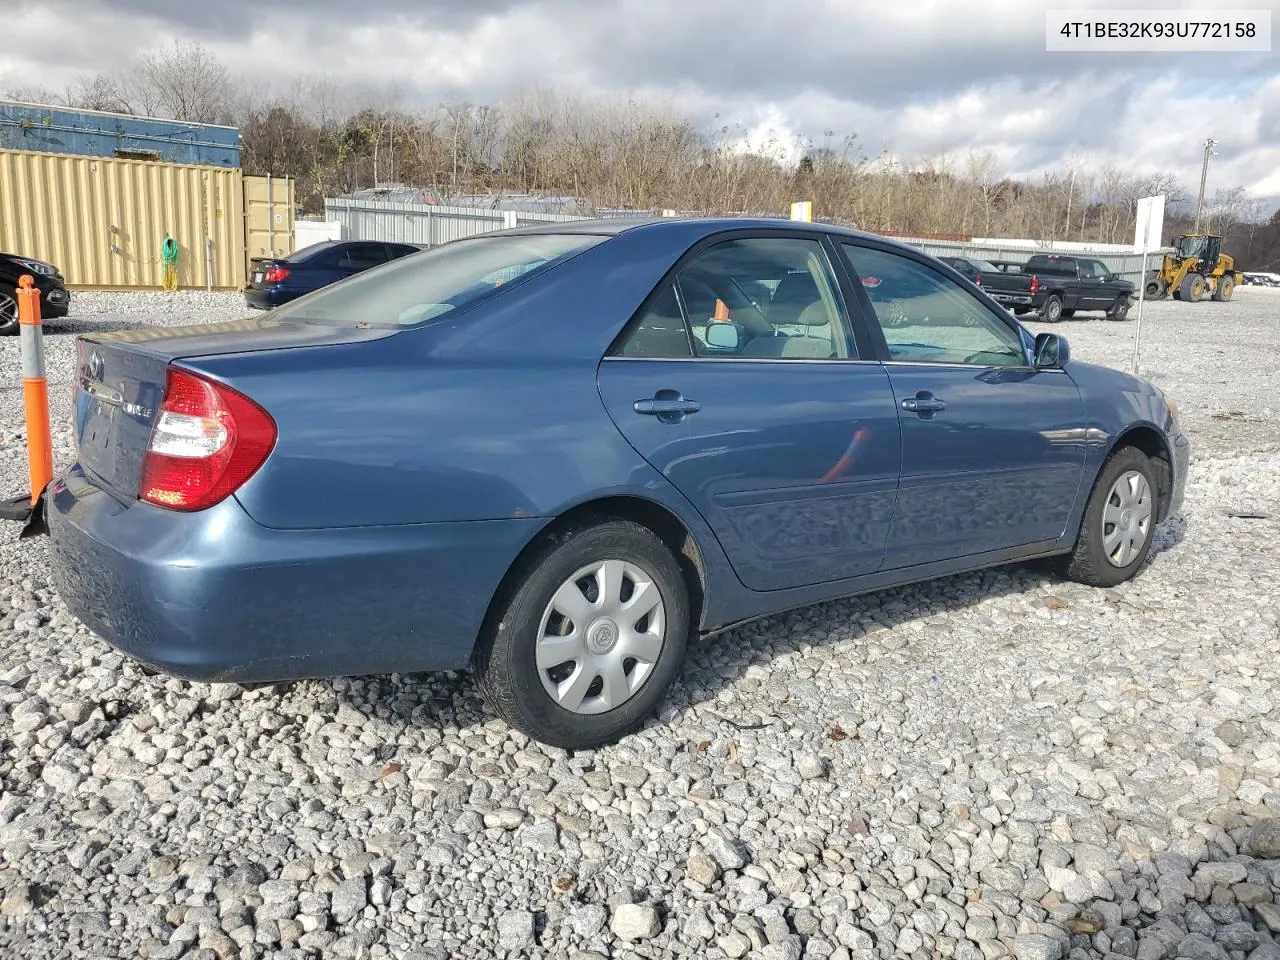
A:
[(1057, 286)]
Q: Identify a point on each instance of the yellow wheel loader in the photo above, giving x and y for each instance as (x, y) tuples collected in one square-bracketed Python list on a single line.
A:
[(1196, 270)]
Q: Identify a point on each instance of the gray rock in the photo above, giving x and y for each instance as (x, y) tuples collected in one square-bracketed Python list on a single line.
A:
[(635, 921), (349, 899), (810, 766), (1269, 913), (17, 901), (61, 777), (1197, 946), (724, 851), (734, 945), (1035, 946), (629, 775), (588, 920), (504, 819), (1263, 840), (702, 869), (516, 931), (788, 949)]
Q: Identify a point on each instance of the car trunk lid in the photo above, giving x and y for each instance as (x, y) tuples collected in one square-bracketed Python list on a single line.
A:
[(120, 381)]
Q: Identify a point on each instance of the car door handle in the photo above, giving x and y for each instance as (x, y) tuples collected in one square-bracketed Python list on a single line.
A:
[(667, 407), (923, 403)]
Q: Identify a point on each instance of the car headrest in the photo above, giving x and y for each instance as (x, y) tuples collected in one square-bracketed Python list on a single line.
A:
[(796, 292)]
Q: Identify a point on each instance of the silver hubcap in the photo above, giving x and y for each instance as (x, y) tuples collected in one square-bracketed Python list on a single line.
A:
[(601, 636), (8, 309), (1126, 518)]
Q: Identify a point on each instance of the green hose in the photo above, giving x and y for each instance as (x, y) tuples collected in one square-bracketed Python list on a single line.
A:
[(169, 257)]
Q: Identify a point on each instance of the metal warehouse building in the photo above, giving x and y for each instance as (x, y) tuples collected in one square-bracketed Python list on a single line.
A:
[(97, 194)]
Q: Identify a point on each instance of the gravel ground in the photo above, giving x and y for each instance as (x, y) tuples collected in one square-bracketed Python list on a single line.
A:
[(988, 765)]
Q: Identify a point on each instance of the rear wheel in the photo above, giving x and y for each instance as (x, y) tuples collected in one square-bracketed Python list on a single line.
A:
[(1118, 310), (587, 641), (1119, 520), (1051, 312), (1192, 288), (8, 314), (1226, 287)]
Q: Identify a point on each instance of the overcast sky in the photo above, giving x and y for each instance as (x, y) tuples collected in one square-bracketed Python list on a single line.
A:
[(916, 77)]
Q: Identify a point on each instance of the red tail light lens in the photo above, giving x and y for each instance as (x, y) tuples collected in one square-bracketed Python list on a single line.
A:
[(978, 280), (1035, 284), (207, 441), (275, 274)]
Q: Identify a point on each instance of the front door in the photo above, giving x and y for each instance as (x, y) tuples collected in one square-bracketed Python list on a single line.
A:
[(741, 382), (992, 449)]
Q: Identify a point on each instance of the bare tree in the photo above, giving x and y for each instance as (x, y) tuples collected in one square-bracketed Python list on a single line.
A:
[(183, 81)]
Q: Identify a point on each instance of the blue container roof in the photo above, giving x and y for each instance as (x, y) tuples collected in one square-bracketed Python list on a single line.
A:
[(92, 133)]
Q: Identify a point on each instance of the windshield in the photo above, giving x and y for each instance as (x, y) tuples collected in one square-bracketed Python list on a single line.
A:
[(1191, 247), (425, 286)]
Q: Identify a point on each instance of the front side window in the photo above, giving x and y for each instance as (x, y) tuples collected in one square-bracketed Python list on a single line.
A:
[(927, 318), (428, 285)]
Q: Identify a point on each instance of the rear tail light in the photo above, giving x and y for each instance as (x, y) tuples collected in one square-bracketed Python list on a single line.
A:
[(978, 280), (207, 441), (275, 274), (1035, 284)]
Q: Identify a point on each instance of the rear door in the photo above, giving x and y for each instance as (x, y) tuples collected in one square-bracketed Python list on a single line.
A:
[(992, 449), (741, 381)]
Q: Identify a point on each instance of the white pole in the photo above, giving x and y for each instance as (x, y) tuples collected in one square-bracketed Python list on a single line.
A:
[(1142, 298)]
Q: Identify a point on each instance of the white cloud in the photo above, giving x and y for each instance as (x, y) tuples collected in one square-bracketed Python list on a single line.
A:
[(921, 78)]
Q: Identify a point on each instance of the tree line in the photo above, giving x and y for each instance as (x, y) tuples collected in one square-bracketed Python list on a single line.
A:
[(640, 154)]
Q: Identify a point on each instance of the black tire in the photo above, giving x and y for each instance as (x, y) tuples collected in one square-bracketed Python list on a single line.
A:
[(1118, 310), (8, 314), (1067, 314), (504, 658), (1156, 290), (1226, 287), (1088, 563), (1192, 288), (1051, 309)]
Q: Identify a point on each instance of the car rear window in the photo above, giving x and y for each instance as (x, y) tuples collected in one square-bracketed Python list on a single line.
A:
[(306, 253), (428, 285)]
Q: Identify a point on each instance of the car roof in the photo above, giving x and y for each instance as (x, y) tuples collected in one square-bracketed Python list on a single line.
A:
[(614, 226)]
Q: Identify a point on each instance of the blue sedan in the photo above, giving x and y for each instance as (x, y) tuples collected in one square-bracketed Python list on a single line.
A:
[(276, 282), (558, 454)]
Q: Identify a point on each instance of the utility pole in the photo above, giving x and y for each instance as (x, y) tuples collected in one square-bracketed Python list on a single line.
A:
[(1204, 173)]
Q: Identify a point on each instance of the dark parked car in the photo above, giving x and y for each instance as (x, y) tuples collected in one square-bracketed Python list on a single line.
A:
[(970, 268), (556, 454), (55, 300), (1059, 286), (274, 282)]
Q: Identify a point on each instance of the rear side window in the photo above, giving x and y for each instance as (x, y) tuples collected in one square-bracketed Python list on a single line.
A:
[(428, 285)]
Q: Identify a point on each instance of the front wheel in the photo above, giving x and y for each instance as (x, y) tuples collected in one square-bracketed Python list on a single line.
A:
[(588, 639), (1118, 310), (8, 314), (1118, 524)]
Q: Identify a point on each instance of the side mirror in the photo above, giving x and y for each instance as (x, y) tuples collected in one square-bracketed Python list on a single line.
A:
[(1051, 352), (725, 336)]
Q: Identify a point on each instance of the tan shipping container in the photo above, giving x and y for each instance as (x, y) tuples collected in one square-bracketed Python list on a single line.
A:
[(103, 221)]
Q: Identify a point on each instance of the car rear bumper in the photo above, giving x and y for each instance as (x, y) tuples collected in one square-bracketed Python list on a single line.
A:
[(265, 298), (1016, 299), (214, 596)]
